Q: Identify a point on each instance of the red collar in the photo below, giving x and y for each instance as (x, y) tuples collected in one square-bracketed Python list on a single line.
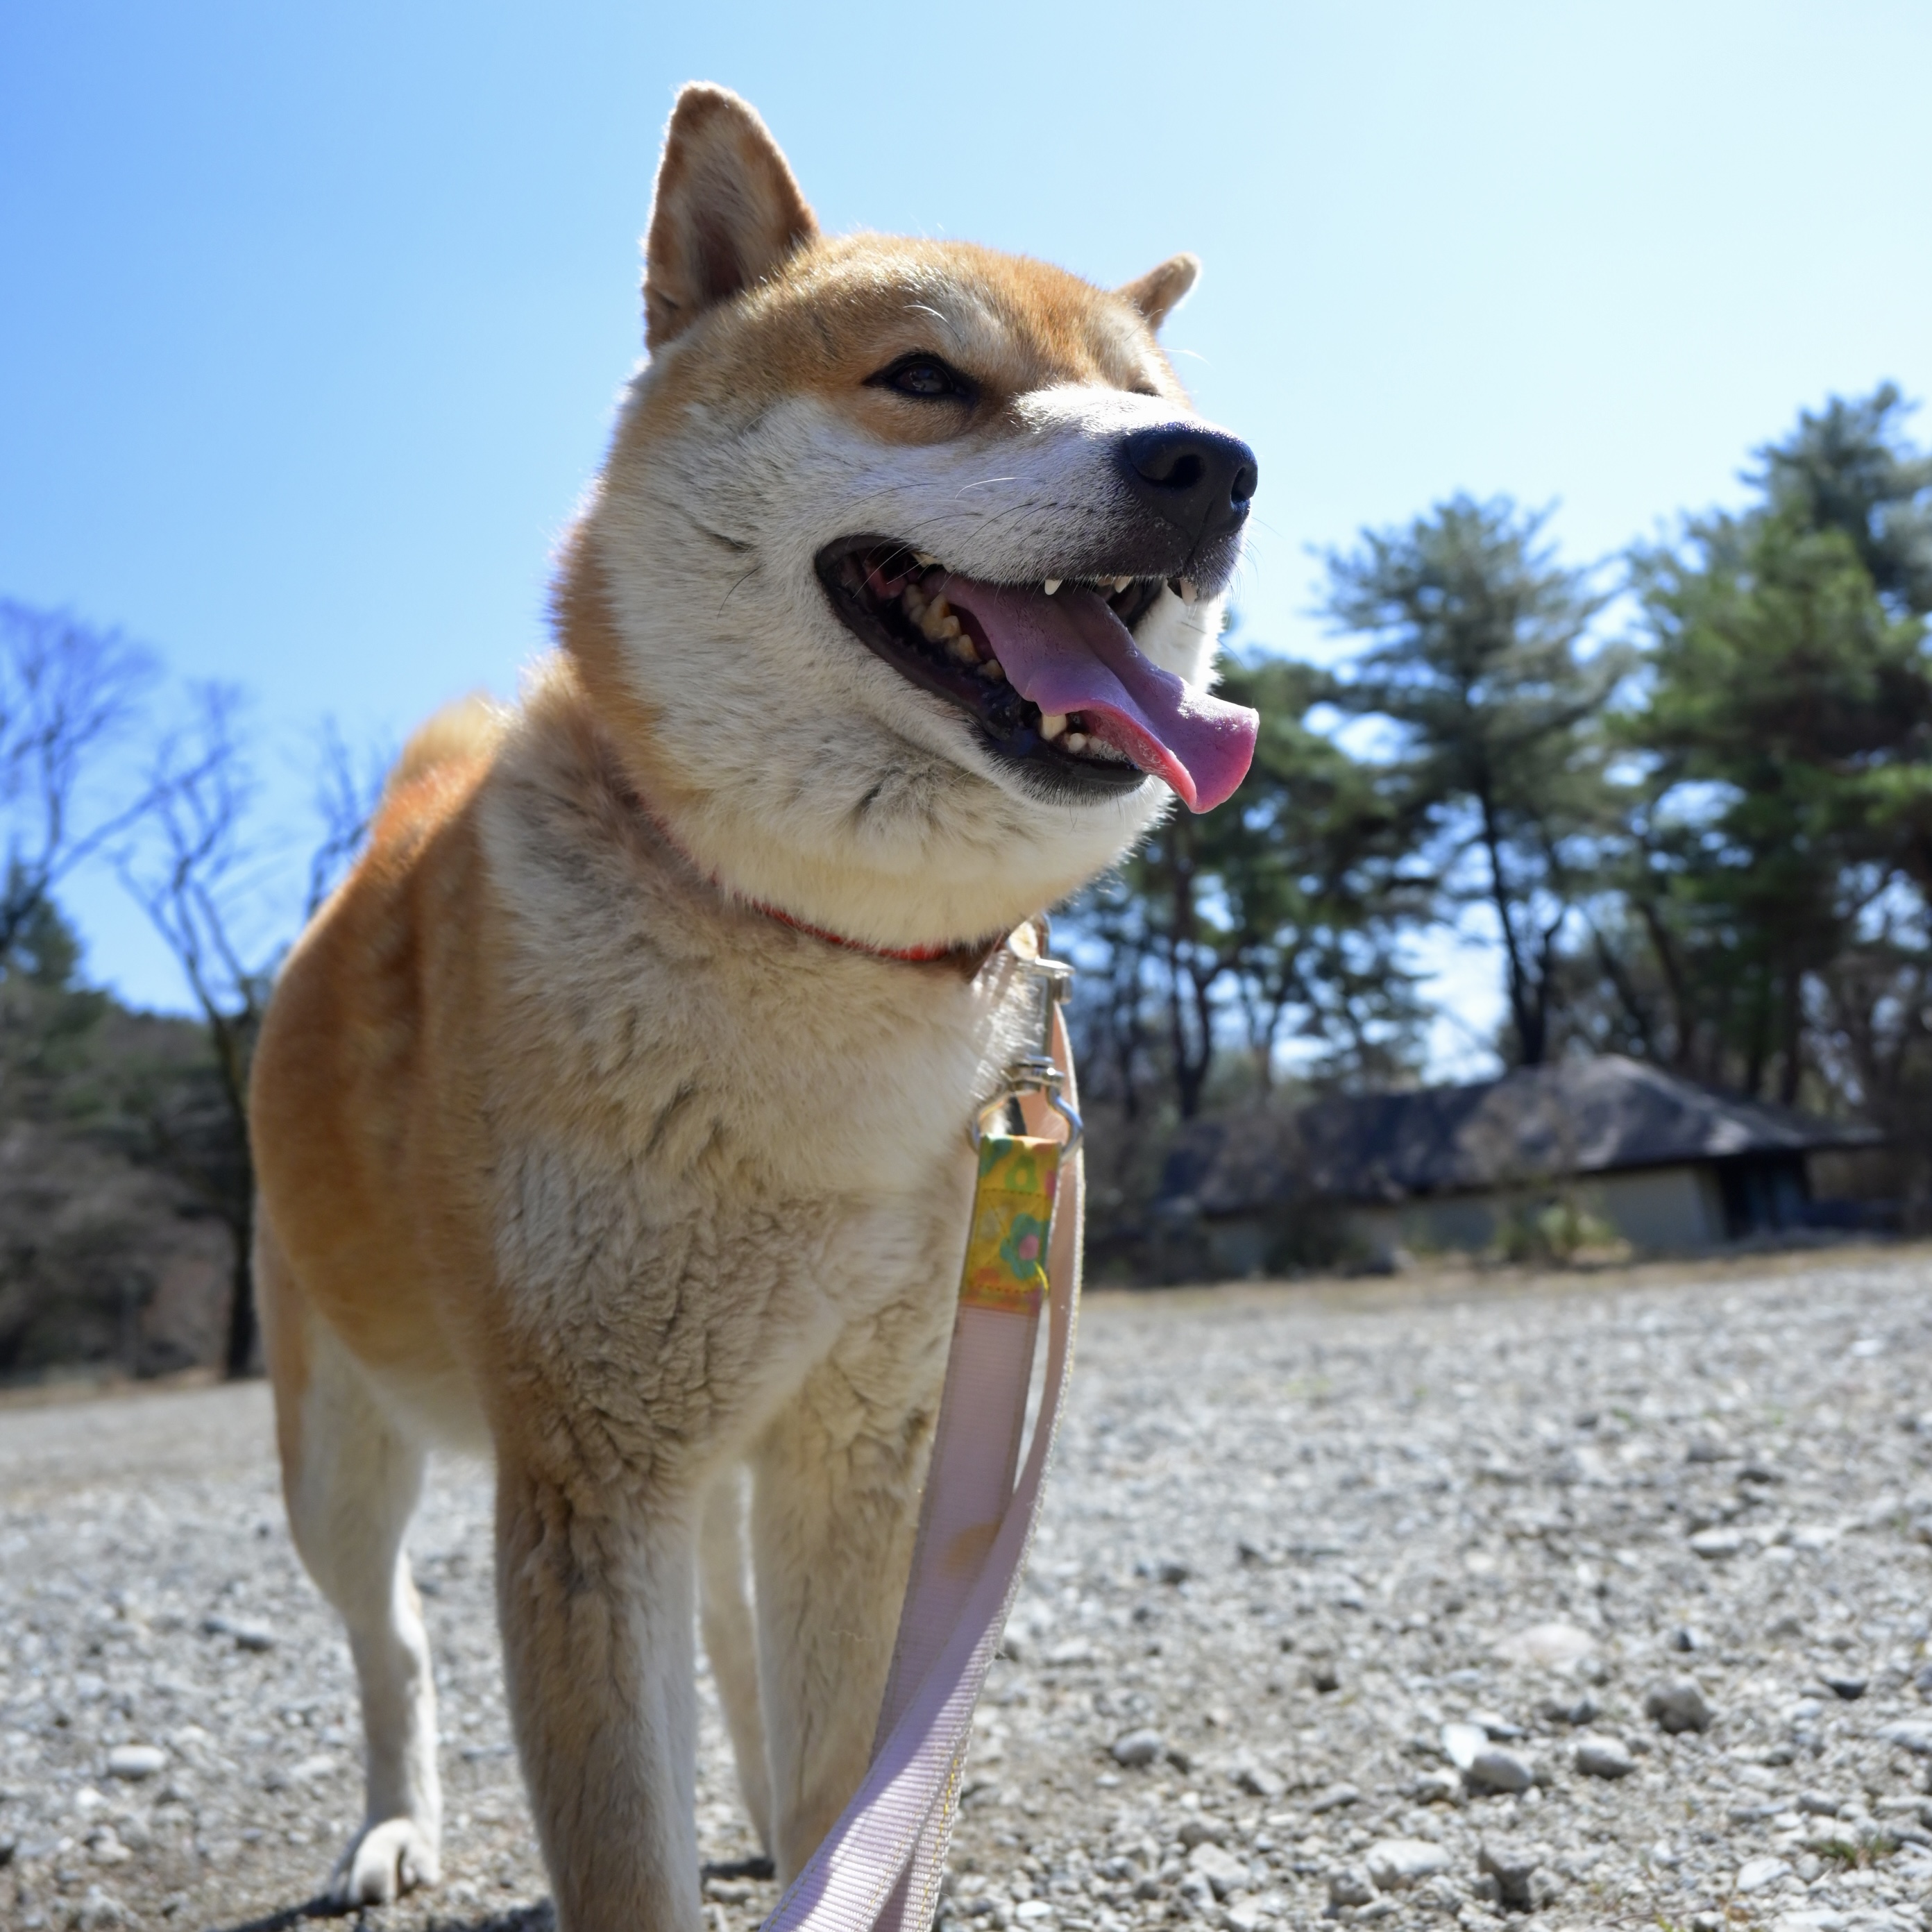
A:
[(969, 955), (913, 955)]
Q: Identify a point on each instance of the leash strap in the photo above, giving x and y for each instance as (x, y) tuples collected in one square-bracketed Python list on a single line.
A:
[(879, 1868)]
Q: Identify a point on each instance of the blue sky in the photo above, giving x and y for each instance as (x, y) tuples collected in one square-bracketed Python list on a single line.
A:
[(312, 317)]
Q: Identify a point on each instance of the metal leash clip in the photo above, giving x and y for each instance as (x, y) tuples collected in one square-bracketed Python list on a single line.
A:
[(1049, 984)]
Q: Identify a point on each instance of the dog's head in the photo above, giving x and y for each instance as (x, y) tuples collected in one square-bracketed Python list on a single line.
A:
[(901, 587)]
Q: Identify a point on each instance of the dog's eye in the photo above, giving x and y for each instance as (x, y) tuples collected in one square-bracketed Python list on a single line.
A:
[(928, 377)]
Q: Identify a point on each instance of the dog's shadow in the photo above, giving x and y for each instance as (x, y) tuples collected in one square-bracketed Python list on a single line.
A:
[(538, 1917)]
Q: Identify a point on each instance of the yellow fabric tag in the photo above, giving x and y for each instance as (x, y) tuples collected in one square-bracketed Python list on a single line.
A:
[(1012, 1220)]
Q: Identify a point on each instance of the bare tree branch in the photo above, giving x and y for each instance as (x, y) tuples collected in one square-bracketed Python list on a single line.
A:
[(347, 796), (66, 692)]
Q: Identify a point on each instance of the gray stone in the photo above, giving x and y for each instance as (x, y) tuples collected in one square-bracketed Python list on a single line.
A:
[(245, 1636), (1513, 1864), (1334, 1799), (1819, 1804), (1497, 1767), (1222, 1870), (1134, 1748), (1496, 1727), (1573, 1711), (1849, 1688), (1349, 1884), (1548, 1646), (1756, 1873), (1679, 1705), (1603, 1757), (1258, 1781), (135, 1762), (1395, 1865), (1714, 1545), (1461, 1742)]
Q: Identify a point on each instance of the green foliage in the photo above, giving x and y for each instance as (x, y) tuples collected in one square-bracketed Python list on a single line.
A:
[(1283, 909), (1850, 469), (1478, 657), (1765, 924), (1787, 724), (1554, 1232)]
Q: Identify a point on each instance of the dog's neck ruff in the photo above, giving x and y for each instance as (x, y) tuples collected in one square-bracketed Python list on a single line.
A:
[(973, 952)]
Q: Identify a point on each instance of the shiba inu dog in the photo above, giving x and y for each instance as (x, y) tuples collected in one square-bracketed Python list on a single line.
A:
[(610, 1116)]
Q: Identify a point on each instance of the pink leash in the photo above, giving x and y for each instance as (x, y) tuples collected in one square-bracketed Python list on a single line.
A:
[(879, 1868)]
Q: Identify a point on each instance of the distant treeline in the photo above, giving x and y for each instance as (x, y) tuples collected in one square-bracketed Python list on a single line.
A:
[(1687, 793)]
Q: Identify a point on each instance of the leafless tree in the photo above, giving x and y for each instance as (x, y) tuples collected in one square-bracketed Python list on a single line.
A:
[(67, 691), (203, 883), (347, 790)]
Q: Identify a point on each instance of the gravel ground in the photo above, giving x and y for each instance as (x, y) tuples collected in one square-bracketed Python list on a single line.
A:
[(1604, 1600)]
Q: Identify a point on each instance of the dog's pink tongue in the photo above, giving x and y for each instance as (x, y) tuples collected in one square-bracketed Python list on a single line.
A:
[(1070, 652)]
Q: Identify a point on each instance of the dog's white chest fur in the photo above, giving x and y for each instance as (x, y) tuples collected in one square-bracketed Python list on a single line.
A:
[(768, 1146)]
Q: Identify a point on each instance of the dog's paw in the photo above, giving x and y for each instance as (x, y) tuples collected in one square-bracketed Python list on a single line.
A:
[(384, 1861)]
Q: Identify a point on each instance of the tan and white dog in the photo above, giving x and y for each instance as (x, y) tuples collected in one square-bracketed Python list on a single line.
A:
[(611, 1115)]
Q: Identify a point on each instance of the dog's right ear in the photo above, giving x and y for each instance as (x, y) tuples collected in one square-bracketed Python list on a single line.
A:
[(1160, 291), (727, 210)]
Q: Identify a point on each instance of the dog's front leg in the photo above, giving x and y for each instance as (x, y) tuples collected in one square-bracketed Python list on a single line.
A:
[(596, 1600), (836, 1507)]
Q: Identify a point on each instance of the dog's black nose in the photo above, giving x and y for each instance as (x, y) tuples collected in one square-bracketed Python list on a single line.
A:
[(1200, 480)]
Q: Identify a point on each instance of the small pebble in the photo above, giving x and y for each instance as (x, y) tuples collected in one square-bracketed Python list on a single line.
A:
[(1219, 1867), (1604, 1757), (1496, 1768), (1397, 1865), (1514, 1866), (1334, 1799), (1679, 1705), (1349, 1884)]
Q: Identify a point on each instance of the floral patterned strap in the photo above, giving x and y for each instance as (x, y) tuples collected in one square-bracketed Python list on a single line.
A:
[(1013, 1219)]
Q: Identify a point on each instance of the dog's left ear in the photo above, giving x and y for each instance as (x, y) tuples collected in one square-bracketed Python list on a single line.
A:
[(1158, 292), (727, 210)]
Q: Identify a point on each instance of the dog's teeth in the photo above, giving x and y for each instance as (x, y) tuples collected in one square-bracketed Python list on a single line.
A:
[(1190, 591), (1052, 724), (934, 618), (1050, 584), (915, 601), (924, 559), (1120, 583), (961, 646), (1076, 741), (993, 670)]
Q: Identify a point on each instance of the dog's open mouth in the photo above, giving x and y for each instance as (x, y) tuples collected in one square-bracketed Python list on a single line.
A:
[(1049, 671)]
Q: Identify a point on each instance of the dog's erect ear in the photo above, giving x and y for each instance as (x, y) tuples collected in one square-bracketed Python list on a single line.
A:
[(727, 210), (1158, 291)]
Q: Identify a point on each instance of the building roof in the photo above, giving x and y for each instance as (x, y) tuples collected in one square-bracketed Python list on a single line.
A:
[(1575, 1117)]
